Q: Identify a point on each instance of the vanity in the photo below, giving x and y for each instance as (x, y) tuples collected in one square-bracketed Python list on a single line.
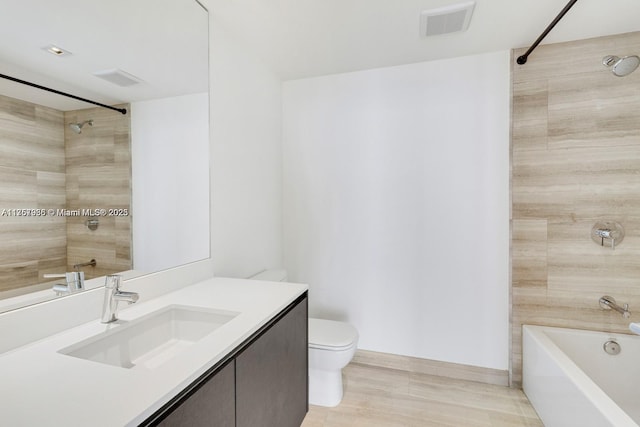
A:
[(236, 355), (193, 350)]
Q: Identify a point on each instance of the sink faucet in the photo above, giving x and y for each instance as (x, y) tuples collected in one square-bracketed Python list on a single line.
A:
[(608, 303), (113, 294)]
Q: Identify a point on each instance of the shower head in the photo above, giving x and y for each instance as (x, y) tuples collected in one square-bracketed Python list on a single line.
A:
[(621, 66), (77, 127)]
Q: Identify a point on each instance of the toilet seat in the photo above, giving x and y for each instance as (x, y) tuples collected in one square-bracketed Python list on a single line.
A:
[(331, 335)]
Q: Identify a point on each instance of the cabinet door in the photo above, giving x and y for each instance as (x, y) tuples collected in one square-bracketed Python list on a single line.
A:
[(211, 405), (272, 374)]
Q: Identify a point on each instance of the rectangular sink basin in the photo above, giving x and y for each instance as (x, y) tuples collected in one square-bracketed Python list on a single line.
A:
[(153, 339)]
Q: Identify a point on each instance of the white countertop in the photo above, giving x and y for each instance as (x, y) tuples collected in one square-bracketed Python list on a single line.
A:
[(40, 386)]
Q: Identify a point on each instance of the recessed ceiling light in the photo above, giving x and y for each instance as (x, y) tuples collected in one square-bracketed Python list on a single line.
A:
[(56, 50)]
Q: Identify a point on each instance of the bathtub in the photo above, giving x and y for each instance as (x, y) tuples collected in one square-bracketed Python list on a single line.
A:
[(572, 381)]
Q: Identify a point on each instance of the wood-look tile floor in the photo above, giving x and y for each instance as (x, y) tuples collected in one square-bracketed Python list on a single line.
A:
[(388, 398)]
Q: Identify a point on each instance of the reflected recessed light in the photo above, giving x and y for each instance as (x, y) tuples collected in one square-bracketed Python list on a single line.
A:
[(56, 50)]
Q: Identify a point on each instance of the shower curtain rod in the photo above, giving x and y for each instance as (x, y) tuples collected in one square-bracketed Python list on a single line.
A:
[(523, 58), (13, 79)]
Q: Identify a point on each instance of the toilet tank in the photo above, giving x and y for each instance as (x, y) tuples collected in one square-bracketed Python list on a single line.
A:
[(275, 275)]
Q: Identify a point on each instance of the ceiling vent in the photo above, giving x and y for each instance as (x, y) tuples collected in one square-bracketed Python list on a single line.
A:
[(447, 19), (118, 77)]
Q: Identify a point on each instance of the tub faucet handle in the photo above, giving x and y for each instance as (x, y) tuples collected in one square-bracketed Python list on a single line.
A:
[(606, 234), (610, 231)]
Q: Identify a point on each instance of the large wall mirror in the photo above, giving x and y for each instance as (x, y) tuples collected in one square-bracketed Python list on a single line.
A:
[(88, 189)]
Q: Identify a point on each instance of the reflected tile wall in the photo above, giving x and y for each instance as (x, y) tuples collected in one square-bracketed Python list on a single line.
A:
[(32, 167), (43, 165), (98, 166)]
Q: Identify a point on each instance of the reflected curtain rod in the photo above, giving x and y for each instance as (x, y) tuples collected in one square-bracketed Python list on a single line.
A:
[(523, 58), (24, 82)]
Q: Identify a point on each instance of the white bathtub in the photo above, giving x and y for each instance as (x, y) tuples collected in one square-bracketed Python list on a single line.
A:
[(571, 381)]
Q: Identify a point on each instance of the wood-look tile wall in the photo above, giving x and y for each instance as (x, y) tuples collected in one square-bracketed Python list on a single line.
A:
[(44, 165), (575, 161), (98, 170), (32, 176)]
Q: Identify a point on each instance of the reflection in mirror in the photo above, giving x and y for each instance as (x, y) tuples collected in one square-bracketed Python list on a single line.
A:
[(86, 191)]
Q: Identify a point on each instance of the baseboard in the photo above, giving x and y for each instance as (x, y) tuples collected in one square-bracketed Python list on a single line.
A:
[(432, 367)]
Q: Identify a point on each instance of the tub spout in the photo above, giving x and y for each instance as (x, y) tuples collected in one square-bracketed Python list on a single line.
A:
[(608, 303)]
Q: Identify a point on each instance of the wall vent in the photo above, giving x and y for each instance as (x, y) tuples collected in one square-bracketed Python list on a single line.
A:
[(447, 19), (118, 77)]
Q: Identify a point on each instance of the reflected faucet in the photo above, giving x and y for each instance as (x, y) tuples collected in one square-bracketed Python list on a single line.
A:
[(74, 282), (74, 279), (113, 294), (608, 303)]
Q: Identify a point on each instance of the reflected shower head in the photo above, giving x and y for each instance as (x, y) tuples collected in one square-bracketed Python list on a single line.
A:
[(621, 66), (77, 127)]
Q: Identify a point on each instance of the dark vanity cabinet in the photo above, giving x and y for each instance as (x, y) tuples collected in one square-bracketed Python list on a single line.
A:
[(272, 373), (261, 383), (211, 404)]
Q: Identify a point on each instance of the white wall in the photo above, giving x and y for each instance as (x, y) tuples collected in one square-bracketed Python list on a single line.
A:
[(246, 159), (170, 190), (396, 204)]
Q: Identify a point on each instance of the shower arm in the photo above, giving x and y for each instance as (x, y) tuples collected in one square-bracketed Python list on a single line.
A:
[(523, 58), (37, 86)]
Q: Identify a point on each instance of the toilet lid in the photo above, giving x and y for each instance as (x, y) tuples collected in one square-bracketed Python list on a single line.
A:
[(331, 335)]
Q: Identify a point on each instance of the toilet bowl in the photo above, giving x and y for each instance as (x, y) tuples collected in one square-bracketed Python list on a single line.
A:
[(332, 345)]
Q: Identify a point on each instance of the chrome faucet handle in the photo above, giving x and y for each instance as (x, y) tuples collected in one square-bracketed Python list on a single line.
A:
[(605, 233), (113, 295), (113, 281), (607, 230), (80, 281)]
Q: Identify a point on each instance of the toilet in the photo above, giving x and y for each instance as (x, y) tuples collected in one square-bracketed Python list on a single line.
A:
[(332, 345)]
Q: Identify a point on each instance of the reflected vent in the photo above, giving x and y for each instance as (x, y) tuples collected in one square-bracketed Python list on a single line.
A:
[(118, 77), (448, 19)]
